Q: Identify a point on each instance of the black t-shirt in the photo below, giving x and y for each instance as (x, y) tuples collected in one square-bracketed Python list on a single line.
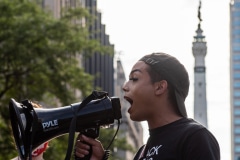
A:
[(184, 139)]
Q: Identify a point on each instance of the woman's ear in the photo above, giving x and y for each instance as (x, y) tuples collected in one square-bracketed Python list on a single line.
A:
[(160, 87)]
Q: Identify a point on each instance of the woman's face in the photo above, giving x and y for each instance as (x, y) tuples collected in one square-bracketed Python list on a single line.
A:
[(139, 92)]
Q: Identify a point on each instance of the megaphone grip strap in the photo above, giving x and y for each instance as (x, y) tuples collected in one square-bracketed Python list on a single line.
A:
[(106, 154), (94, 95)]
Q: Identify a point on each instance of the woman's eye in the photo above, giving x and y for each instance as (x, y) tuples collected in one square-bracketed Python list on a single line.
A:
[(133, 79)]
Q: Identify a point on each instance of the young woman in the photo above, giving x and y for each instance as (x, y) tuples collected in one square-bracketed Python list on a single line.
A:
[(156, 90)]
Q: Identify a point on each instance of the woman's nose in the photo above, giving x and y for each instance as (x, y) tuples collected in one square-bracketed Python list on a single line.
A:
[(124, 87)]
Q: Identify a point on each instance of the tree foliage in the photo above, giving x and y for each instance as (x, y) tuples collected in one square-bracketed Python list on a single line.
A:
[(37, 49), (40, 60)]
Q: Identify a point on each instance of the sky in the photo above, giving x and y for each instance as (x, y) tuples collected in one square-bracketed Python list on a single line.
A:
[(139, 27)]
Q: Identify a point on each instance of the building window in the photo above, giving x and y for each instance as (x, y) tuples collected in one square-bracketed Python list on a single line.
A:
[(237, 140), (237, 121), (237, 112), (236, 4), (237, 130), (236, 14), (236, 39), (237, 103), (237, 85), (236, 66), (237, 76), (236, 23), (237, 149), (236, 48), (236, 31), (236, 57)]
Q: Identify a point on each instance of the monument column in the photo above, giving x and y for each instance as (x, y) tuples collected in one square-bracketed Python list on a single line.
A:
[(199, 50)]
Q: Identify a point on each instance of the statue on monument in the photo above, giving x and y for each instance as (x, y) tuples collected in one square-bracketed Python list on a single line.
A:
[(199, 14)]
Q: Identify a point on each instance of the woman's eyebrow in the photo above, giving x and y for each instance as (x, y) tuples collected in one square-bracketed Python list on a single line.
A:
[(135, 70)]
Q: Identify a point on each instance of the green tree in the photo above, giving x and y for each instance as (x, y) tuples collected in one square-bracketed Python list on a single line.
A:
[(39, 60)]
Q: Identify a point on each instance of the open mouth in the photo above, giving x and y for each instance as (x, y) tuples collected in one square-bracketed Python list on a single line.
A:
[(128, 99)]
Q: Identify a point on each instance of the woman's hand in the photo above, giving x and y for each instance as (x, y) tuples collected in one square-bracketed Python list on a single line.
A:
[(82, 149)]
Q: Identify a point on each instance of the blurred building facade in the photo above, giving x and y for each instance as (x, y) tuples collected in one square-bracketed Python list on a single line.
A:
[(235, 77), (101, 66), (98, 65), (109, 73)]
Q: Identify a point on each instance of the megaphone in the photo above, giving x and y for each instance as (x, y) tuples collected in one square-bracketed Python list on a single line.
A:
[(33, 126)]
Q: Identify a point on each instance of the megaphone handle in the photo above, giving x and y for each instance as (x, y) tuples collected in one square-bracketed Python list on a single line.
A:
[(89, 132)]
